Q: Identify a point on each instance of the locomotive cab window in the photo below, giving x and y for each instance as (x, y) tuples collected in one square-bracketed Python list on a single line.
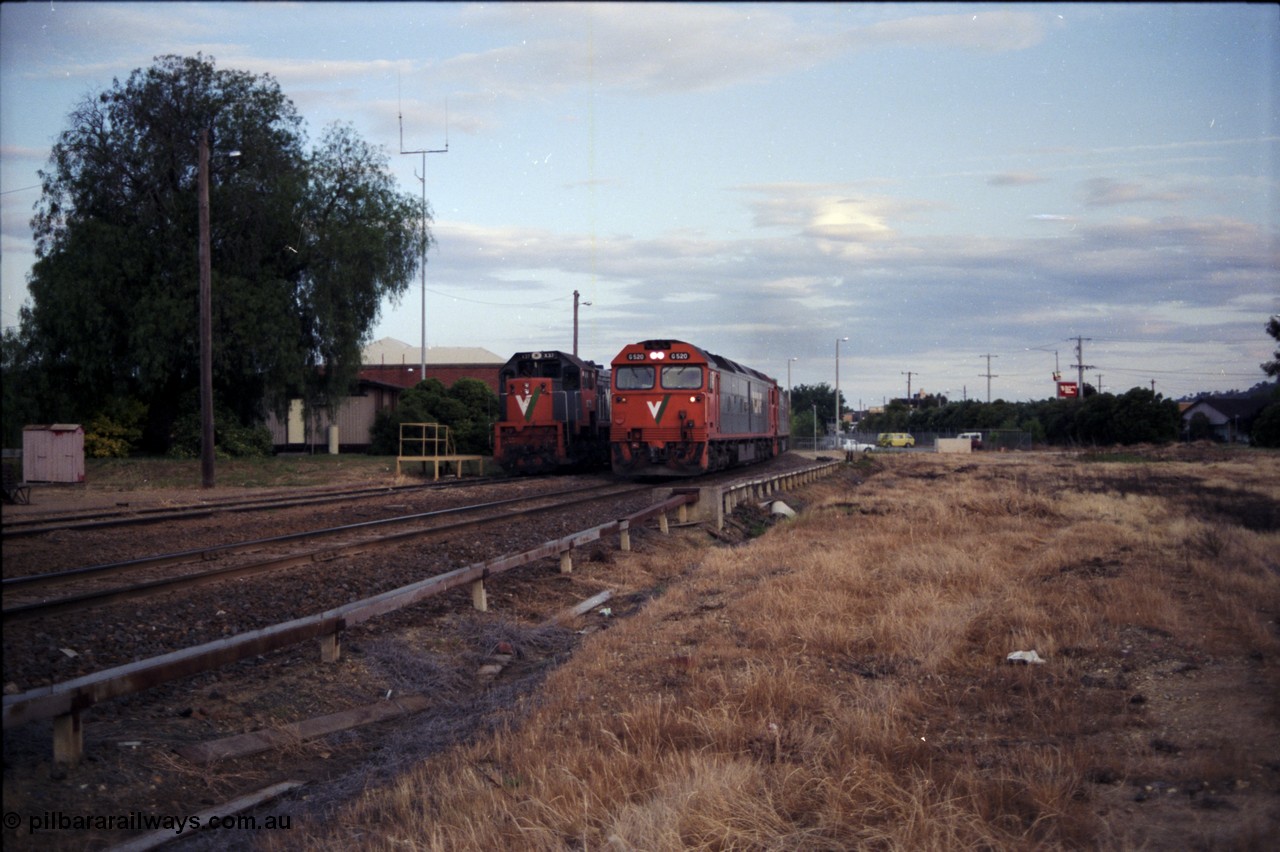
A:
[(682, 377), (633, 378)]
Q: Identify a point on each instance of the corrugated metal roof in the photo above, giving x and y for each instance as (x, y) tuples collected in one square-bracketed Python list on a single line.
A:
[(390, 351)]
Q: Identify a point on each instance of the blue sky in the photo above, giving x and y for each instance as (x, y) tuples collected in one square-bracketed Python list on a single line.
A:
[(938, 183)]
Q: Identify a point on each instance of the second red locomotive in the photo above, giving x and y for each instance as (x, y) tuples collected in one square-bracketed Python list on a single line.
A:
[(679, 411), (554, 413)]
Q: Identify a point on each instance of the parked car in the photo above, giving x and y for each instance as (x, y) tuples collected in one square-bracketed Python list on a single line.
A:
[(852, 446), (895, 439), (975, 439)]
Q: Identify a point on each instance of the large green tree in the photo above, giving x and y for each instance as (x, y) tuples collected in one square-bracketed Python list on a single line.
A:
[(803, 400), (305, 244), (1272, 367)]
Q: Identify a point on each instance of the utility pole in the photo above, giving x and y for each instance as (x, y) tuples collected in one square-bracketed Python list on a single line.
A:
[(206, 320), (908, 374), (422, 178), (1081, 366), (989, 374)]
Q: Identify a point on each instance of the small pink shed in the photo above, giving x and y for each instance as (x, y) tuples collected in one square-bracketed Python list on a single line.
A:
[(53, 453)]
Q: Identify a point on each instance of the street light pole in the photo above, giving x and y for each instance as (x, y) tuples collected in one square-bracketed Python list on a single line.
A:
[(846, 340), (575, 322), (422, 361), (789, 360), (206, 320)]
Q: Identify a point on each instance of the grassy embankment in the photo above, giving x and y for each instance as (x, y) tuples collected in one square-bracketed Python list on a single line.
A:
[(841, 681)]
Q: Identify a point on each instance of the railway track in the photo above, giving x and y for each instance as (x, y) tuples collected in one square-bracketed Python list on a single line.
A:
[(125, 516), (465, 668), (98, 585)]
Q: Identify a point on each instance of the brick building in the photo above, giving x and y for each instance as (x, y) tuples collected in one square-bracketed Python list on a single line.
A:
[(390, 366), (394, 362)]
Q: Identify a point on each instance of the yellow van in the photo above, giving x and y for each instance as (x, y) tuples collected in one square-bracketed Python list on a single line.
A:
[(895, 439)]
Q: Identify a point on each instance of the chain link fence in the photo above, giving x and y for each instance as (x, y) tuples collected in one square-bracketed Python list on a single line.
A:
[(992, 439)]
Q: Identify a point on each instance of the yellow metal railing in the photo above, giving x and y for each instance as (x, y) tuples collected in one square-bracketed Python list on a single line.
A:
[(430, 440), (431, 443)]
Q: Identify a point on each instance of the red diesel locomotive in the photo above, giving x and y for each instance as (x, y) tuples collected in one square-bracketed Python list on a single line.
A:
[(554, 413), (679, 411)]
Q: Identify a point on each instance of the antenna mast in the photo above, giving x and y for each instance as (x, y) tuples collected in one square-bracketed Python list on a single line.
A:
[(422, 178)]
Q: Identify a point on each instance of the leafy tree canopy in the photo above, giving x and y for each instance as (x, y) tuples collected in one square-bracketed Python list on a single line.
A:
[(305, 244), (1137, 416), (805, 397), (1272, 367)]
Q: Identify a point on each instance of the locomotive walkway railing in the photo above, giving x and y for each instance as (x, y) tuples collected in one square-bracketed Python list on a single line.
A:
[(66, 702)]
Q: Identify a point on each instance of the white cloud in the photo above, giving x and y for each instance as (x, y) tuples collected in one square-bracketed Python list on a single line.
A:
[(990, 31)]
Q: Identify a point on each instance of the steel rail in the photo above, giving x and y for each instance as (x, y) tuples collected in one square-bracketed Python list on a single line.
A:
[(90, 600), (66, 702), (102, 520), (205, 554), (75, 696)]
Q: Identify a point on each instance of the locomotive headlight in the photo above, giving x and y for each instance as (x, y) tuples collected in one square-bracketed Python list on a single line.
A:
[(695, 398), (657, 356)]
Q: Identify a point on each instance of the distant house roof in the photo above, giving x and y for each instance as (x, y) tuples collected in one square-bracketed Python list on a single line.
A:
[(1219, 409), (391, 352), (1230, 417)]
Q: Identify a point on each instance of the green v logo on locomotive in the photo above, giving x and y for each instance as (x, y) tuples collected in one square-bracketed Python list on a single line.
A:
[(657, 409), (527, 403)]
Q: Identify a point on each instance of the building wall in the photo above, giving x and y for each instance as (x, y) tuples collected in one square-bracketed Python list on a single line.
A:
[(954, 445), (53, 453), (380, 388), (354, 419)]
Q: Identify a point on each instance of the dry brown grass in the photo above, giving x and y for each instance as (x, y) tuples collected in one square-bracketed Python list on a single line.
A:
[(841, 681)]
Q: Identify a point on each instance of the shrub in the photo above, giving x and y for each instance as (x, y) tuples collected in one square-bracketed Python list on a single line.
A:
[(1266, 427), (467, 409), (114, 432), (231, 438)]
